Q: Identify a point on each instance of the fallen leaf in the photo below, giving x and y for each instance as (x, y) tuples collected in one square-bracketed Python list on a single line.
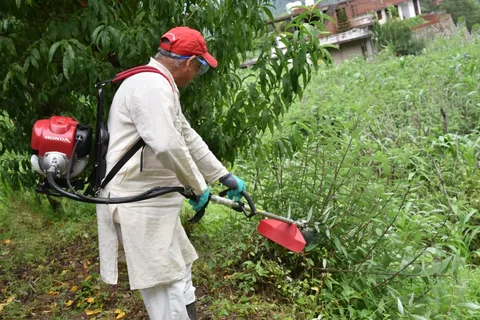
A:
[(90, 300), (52, 293), (68, 303), (117, 311), (6, 241), (88, 278), (120, 315), (9, 300), (90, 312), (74, 288)]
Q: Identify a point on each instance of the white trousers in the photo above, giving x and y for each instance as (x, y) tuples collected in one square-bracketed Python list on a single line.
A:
[(168, 301)]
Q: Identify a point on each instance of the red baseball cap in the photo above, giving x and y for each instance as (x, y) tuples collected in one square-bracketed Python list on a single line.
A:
[(187, 42)]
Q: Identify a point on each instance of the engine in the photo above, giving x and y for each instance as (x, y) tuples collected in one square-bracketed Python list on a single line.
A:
[(53, 142)]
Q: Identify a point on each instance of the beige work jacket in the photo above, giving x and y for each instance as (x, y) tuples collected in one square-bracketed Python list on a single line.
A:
[(156, 247)]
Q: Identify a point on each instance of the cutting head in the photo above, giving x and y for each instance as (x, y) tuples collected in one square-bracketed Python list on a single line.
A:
[(285, 234)]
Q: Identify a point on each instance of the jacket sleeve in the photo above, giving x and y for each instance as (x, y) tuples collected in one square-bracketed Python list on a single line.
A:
[(153, 111), (210, 167)]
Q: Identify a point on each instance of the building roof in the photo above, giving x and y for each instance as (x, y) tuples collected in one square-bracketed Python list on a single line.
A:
[(280, 9), (330, 2)]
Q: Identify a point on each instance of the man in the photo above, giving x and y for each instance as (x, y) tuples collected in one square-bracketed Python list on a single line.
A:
[(156, 249)]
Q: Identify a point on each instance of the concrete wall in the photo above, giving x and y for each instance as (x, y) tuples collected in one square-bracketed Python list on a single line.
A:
[(436, 24), (351, 50)]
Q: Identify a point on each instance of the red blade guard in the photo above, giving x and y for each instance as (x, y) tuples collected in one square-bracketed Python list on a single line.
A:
[(286, 235)]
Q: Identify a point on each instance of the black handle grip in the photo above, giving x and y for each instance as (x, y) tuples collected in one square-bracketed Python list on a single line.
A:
[(241, 206), (198, 216), (189, 195), (253, 209)]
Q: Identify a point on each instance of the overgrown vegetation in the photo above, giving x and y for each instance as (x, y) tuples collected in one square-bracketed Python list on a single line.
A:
[(343, 21), (53, 53), (382, 156), (468, 9), (396, 35)]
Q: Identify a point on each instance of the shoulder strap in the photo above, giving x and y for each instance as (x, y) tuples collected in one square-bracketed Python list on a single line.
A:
[(130, 72), (140, 143), (137, 146)]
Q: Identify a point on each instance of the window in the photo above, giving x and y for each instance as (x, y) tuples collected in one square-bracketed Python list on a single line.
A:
[(364, 50), (415, 6), (379, 15)]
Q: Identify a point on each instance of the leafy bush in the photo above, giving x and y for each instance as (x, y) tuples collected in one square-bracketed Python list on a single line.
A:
[(390, 185), (468, 9), (397, 35), (52, 58)]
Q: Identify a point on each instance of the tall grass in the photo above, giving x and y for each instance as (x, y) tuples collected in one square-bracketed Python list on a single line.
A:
[(382, 158)]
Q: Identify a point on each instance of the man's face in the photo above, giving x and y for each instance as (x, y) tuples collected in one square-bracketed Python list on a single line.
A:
[(187, 71)]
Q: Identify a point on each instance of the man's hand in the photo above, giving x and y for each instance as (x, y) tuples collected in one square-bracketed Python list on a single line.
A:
[(202, 201), (235, 186)]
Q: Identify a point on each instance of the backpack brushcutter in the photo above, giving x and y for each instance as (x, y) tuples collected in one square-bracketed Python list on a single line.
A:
[(61, 148)]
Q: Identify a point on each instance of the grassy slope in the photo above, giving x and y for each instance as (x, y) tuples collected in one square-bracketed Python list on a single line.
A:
[(49, 267), (49, 262)]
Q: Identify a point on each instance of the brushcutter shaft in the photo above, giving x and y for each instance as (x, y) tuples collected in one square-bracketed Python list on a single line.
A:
[(232, 204)]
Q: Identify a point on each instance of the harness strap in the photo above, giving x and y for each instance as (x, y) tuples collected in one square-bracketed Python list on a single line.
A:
[(124, 159), (140, 143), (130, 72)]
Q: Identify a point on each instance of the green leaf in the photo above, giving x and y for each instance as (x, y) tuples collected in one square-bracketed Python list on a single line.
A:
[(311, 246), (400, 306), (95, 33), (19, 74), (268, 13), (417, 317), (34, 62), (68, 61), (52, 50), (6, 81), (11, 47), (339, 246), (139, 17), (36, 54), (26, 64), (43, 48), (19, 3), (470, 305), (106, 41)]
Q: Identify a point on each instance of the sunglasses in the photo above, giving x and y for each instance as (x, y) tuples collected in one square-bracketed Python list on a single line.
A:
[(204, 66)]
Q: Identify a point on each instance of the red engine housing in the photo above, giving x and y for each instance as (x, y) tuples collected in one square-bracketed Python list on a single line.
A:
[(54, 134)]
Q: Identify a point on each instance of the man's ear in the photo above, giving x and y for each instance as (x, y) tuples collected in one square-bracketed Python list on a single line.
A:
[(190, 63)]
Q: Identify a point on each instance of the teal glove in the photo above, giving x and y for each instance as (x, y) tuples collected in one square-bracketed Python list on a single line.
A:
[(235, 186), (202, 201)]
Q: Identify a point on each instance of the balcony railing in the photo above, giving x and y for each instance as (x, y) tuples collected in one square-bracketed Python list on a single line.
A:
[(351, 35), (362, 21)]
